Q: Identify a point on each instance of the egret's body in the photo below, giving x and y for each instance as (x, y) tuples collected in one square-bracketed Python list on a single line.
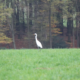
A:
[(38, 43)]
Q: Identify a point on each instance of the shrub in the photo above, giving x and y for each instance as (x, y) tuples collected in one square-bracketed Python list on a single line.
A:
[(58, 42), (3, 48)]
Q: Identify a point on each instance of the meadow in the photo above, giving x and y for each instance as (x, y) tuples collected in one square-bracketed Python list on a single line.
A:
[(45, 64)]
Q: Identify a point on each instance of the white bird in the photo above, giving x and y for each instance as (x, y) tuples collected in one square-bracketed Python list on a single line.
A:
[(38, 43)]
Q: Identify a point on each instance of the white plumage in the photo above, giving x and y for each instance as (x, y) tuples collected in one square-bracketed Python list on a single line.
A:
[(38, 43)]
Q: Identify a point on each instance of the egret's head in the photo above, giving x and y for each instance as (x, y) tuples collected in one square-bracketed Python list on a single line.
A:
[(35, 34)]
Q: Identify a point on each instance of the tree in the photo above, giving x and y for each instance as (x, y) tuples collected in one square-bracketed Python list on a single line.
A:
[(4, 13), (77, 2)]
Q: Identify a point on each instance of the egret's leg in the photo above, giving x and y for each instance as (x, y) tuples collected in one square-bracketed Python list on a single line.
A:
[(39, 49)]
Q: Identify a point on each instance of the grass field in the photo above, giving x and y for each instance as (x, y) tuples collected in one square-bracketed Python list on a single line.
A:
[(33, 64)]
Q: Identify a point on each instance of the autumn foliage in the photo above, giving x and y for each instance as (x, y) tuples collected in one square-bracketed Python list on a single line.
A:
[(4, 13)]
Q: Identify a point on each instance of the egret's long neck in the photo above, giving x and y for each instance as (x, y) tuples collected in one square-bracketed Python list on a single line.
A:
[(36, 37)]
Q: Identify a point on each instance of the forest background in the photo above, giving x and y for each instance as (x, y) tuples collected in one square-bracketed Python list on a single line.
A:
[(57, 23)]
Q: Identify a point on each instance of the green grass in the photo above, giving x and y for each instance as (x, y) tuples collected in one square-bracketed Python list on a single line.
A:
[(33, 64)]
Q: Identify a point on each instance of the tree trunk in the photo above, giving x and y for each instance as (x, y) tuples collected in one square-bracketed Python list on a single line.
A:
[(50, 36), (23, 21), (30, 14), (69, 28), (13, 36), (12, 25), (12, 31), (28, 25), (73, 38), (77, 34), (77, 21), (60, 19)]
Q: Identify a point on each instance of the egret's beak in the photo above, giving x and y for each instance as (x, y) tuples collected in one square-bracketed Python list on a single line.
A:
[(33, 34)]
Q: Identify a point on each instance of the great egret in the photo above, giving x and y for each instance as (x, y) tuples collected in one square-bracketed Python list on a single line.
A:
[(38, 43)]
